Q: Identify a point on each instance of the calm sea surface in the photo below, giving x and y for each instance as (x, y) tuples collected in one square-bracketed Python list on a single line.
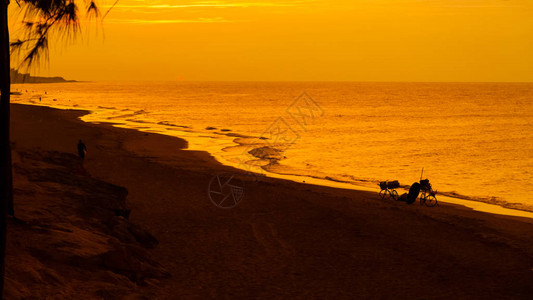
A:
[(474, 140)]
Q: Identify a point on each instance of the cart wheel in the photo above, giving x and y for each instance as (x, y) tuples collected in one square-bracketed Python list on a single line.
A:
[(384, 194), (422, 199), (430, 201), (394, 194)]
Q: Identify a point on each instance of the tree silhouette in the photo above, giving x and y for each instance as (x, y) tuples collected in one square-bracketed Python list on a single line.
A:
[(41, 19)]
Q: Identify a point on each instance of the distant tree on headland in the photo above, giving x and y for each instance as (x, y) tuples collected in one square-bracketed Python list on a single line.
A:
[(41, 20)]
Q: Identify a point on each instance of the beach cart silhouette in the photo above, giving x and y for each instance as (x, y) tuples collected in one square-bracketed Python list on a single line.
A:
[(388, 189), (427, 194), (422, 188)]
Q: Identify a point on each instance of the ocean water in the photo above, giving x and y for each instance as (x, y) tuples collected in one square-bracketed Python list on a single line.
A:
[(474, 140)]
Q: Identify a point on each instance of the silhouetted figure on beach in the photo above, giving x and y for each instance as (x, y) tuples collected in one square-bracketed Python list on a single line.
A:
[(414, 191), (82, 149)]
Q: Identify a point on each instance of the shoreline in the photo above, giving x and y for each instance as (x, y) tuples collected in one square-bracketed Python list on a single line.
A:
[(220, 144), (285, 239), (501, 207), (197, 143)]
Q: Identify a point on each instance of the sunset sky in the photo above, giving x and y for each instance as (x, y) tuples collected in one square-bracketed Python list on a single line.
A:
[(315, 40)]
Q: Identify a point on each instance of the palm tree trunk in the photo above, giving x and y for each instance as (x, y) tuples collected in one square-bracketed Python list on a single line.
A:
[(6, 179)]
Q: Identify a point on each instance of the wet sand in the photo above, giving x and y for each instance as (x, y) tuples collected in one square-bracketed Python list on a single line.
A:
[(284, 240)]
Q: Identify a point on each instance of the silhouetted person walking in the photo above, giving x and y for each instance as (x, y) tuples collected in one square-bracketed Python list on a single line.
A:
[(82, 149)]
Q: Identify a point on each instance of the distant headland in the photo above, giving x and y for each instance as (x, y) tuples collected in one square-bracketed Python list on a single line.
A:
[(17, 77)]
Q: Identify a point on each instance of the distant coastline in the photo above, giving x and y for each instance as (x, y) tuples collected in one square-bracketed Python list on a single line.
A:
[(17, 77)]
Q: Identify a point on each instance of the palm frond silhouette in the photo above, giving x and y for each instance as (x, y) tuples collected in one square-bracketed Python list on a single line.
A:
[(43, 19), (40, 19)]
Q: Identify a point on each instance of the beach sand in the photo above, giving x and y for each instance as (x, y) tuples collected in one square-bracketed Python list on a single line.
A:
[(284, 240)]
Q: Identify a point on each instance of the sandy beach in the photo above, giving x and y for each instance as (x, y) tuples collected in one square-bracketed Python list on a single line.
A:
[(284, 240)]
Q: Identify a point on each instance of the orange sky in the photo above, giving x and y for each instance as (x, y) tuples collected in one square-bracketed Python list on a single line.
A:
[(339, 40)]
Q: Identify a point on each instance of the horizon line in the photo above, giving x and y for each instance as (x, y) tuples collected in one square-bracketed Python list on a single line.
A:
[(302, 81)]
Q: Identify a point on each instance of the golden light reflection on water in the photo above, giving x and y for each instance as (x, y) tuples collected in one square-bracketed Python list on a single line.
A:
[(477, 147)]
